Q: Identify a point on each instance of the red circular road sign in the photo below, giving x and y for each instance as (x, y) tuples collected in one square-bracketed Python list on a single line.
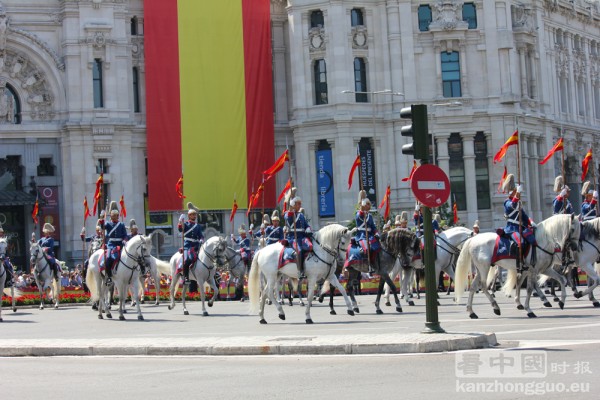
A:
[(431, 185)]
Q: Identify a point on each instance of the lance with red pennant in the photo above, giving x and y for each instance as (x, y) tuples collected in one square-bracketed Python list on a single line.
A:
[(412, 172), (123, 212), (98, 192), (35, 212), (454, 210), (386, 202), (355, 165), (504, 175)]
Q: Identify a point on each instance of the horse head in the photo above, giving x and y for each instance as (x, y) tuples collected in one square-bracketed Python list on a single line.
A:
[(574, 233), (402, 243), (36, 253)]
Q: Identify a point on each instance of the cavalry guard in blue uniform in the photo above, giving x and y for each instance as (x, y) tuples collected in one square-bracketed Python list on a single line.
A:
[(511, 214), (561, 203), (47, 245), (418, 220), (192, 239), (244, 242), (588, 207), (298, 231), (436, 223), (133, 229), (7, 265), (274, 232), (401, 221), (367, 234), (114, 236)]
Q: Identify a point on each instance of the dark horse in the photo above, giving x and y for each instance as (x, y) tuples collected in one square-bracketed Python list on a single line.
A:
[(397, 244)]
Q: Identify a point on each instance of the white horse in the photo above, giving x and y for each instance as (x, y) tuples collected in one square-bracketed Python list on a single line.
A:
[(44, 277), (135, 253), (3, 275), (211, 255), (155, 267), (320, 264), (237, 269), (558, 230), (448, 245)]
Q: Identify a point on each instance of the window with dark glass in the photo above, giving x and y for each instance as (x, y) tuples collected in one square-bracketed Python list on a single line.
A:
[(424, 14), (482, 173), (356, 17), (102, 166), (134, 26), (45, 167), (136, 90), (13, 105), (316, 19), (360, 80), (97, 79), (457, 171), (320, 72), (469, 15), (451, 74)]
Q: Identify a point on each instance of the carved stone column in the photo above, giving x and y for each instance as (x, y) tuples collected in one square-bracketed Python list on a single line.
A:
[(468, 140)]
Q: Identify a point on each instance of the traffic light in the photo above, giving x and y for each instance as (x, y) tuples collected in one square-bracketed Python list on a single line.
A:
[(418, 130)]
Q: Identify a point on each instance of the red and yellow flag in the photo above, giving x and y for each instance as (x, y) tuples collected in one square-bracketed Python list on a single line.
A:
[(559, 146), (35, 211), (412, 172), (512, 140), (585, 164), (455, 212), (179, 187), (250, 204), (354, 166), (98, 192), (386, 202), (86, 209), (233, 210), (287, 187), (209, 99), (123, 212), (504, 175), (261, 188), (278, 166)]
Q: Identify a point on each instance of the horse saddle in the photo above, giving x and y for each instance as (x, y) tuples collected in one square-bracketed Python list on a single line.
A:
[(507, 247), (114, 254), (286, 255)]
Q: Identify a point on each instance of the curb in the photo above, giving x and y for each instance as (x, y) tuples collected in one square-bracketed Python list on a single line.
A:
[(251, 346)]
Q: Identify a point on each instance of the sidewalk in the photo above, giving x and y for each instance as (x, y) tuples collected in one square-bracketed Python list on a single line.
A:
[(253, 345)]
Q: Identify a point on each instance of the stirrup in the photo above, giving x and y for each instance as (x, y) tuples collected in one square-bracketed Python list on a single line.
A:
[(186, 280), (109, 281)]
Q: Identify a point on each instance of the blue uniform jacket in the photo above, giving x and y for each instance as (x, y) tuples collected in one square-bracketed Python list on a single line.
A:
[(511, 213), (365, 225), (47, 243), (273, 234), (436, 226), (115, 233), (562, 205), (588, 210), (301, 226), (192, 235), (243, 242)]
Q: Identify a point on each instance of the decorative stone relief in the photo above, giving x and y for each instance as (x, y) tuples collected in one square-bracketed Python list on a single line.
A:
[(562, 61), (137, 47), (7, 104), (360, 37), (98, 40), (316, 38), (522, 19), (447, 16)]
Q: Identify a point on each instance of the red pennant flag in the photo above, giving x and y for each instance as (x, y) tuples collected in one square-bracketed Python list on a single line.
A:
[(179, 188), (386, 201), (287, 187), (233, 210), (512, 140), (354, 166), (412, 172), (585, 164), (260, 189), (559, 146), (35, 212), (123, 212), (86, 209), (98, 192), (250, 203), (277, 166), (499, 190), (455, 211)]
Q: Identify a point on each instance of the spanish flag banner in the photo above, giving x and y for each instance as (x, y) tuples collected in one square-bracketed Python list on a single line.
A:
[(209, 100), (585, 164), (512, 140), (559, 146), (355, 165)]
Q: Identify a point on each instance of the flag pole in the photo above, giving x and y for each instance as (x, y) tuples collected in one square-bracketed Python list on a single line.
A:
[(594, 178), (562, 157), (182, 225), (519, 183), (359, 205), (83, 247)]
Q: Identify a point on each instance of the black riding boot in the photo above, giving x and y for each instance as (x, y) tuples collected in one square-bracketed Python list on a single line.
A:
[(186, 273), (108, 271), (9, 276), (301, 274), (56, 270), (84, 271)]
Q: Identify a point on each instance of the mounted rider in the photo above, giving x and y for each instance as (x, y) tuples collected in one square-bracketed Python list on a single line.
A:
[(561, 203), (114, 236), (367, 236), (244, 242), (133, 230), (192, 239), (418, 220), (47, 245), (588, 207), (512, 207), (7, 265), (274, 233), (401, 221), (298, 232), (88, 239)]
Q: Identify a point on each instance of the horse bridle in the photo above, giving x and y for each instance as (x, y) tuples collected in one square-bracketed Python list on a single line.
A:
[(213, 258), (331, 252), (228, 260)]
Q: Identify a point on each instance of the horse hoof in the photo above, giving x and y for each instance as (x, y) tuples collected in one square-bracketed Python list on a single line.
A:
[(56, 307), (332, 312), (473, 316), (210, 305), (170, 307), (520, 307), (320, 299), (282, 317), (556, 299), (387, 303), (121, 318), (109, 315), (14, 309), (351, 312), (399, 309), (140, 317), (378, 312), (497, 311), (100, 316), (531, 315), (302, 304), (291, 303), (493, 295), (95, 307), (411, 303), (562, 305), (263, 321), (578, 295), (309, 321), (356, 310), (596, 304), (205, 314), (186, 312), (547, 304)]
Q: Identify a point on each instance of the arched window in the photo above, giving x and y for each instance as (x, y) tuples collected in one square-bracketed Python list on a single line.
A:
[(134, 26), (10, 105), (360, 80), (481, 172), (457, 170), (320, 76)]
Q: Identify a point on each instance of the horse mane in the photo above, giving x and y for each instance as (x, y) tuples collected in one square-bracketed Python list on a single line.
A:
[(398, 239), (330, 233), (590, 229), (554, 229)]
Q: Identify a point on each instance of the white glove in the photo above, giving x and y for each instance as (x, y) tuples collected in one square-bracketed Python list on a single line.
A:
[(563, 193), (232, 238), (182, 218), (519, 188), (82, 231), (595, 195), (251, 226), (417, 208), (308, 231), (533, 224)]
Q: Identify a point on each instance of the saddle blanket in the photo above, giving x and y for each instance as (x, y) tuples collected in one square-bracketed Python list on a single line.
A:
[(354, 255), (504, 248), (286, 256), (102, 259)]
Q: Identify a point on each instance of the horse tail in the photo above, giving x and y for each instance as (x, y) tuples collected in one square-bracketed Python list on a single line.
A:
[(325, 288), (254, 285), (17, 292), (90, 281), (162, 267), (491, 276), (542, 279), (463, 266), (511, 282), (597, 267)]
